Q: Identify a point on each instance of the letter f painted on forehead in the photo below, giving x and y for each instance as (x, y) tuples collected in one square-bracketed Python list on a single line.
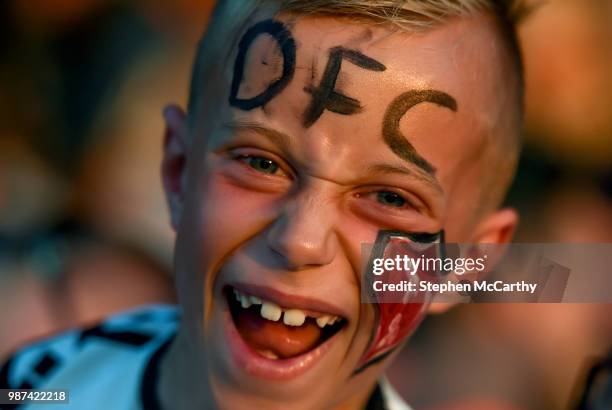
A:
[(325, 97)]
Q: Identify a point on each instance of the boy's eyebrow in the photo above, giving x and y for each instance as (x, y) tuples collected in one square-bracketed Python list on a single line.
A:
[(278, 138), (426, 177)]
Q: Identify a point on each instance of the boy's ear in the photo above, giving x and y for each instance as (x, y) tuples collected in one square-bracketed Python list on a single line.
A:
[(496, 228), (173, 168)]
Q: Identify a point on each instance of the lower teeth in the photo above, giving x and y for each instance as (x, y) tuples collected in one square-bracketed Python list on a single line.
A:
[(268, 354)]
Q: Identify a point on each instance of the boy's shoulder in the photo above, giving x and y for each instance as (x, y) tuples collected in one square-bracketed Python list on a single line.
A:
[(102, 366)]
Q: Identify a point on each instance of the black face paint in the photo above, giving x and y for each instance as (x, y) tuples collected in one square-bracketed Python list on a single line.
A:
[(325, 97), (286, 43), (391, 123)]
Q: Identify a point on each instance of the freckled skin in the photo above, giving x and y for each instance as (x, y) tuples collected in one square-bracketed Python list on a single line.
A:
[(300, 230)]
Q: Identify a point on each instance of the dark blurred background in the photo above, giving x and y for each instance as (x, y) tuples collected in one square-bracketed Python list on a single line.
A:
[(83, 225)]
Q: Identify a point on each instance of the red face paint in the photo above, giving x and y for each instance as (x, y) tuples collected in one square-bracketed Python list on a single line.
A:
[(396, 319)]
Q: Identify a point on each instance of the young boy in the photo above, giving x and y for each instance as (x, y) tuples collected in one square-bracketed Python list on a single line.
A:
[(312, 126)]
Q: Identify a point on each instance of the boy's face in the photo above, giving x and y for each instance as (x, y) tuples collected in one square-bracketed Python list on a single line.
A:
[(286, 185)]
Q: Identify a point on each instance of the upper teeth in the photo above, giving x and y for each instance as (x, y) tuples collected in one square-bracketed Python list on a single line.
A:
[(294, 317), (271, 311)]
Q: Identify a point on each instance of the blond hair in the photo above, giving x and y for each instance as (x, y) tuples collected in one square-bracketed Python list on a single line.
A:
[(407, 14)]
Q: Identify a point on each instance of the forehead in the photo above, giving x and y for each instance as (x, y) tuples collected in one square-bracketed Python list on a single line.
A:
[(459, 58)]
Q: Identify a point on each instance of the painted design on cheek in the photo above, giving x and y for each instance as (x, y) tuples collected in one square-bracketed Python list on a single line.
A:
[(398, 108), (394, 322), (283, 37), (325, 96)]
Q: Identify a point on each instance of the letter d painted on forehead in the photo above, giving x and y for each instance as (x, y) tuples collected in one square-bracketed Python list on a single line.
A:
[(285, 41)]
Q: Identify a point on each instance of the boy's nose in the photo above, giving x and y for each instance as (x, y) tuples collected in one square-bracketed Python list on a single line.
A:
[(303, 234)]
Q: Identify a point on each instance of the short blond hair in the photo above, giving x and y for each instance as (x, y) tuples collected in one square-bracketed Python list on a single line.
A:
[(407, 14), (231, 16)]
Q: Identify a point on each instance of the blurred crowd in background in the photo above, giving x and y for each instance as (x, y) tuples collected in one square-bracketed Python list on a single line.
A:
[(83, 225)]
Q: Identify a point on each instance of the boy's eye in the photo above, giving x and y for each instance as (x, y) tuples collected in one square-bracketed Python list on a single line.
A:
[(261, 164), (390, 199)]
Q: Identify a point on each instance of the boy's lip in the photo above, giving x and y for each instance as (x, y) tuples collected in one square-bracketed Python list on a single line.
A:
[(274, 369), (313, 306)]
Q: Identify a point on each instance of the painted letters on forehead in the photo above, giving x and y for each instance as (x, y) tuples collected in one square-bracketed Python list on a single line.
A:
[(324, 96)]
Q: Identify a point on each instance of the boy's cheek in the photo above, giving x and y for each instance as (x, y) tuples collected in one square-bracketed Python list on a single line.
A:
[(219, 219), (231, 215)]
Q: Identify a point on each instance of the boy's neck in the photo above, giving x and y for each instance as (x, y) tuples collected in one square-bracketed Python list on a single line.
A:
[(183, 382)]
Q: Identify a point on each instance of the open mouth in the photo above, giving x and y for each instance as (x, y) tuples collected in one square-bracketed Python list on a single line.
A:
[(276, 332)]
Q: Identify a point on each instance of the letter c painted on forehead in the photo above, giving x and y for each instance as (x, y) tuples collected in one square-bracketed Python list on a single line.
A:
[(286, 43), (398, 108)]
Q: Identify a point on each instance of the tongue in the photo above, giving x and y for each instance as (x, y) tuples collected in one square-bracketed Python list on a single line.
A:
[(282, 340)]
